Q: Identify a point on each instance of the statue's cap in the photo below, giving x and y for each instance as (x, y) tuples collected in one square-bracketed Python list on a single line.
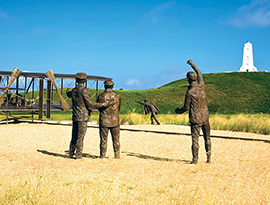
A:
[(109, 82), (81, 76)]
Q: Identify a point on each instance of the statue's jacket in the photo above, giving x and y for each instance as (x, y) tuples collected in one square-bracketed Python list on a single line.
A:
[(109, 117), (81, 103), (195, 100), (150, 107)]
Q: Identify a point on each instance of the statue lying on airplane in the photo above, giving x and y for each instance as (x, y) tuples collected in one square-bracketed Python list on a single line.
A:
[(11, 100)]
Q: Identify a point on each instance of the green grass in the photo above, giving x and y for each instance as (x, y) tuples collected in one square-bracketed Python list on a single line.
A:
[(227, 93), (253, 123), (232, 93)]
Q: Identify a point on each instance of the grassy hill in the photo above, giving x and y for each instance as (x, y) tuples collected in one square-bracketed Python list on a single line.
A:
[(227, 93)]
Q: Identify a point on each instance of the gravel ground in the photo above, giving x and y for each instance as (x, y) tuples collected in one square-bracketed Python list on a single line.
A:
[(148, 161)]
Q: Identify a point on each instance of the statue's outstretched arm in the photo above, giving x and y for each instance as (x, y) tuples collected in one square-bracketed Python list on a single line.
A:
[(90, 104), (139, 102), (186, 104)]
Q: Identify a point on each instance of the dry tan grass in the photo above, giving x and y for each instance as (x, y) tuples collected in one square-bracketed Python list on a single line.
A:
[(153, 169)]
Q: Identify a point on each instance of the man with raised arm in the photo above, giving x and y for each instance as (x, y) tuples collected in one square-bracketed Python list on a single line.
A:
[(82, 107), (195, 101), (109, 119)]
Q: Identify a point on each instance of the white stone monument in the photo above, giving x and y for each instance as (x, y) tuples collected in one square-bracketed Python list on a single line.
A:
[(247, 64)]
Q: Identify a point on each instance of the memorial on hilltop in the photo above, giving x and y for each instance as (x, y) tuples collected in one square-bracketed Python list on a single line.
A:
[(247, 64)]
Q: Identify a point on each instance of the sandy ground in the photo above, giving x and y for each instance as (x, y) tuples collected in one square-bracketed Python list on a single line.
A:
[(239, 172)]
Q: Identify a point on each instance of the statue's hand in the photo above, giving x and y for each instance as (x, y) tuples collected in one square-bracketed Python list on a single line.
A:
[(189, 62), (89, 112), (69, 93), (177, 111), (105, 104)]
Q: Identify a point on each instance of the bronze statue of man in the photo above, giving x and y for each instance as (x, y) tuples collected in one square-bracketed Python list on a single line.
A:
[(195, 100), (109, 119), (150, 107), (82, 107)]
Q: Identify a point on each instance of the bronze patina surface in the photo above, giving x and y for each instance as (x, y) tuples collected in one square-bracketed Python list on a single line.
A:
[(109, 119), (150, 108), (81, 107), (195, 101)]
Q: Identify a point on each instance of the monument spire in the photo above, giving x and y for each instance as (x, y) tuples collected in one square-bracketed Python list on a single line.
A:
[(247, 64)]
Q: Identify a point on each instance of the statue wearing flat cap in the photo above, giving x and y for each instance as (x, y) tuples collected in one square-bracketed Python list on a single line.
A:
[(81, 106), (195, 101), (81, 77), (108, 83), (109, 119)]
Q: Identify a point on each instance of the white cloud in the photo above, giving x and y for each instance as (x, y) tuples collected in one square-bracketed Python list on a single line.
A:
[(156, 13), (133, 82), (165, 76), (28, 71), (254, 14)]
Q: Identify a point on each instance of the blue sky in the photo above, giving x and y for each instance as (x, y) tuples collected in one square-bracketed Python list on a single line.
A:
[(140, 44)]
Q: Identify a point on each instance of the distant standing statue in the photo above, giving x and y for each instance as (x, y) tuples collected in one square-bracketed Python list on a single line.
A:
[(198, 112), (109, 119), (82, 107), (150, 107)]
